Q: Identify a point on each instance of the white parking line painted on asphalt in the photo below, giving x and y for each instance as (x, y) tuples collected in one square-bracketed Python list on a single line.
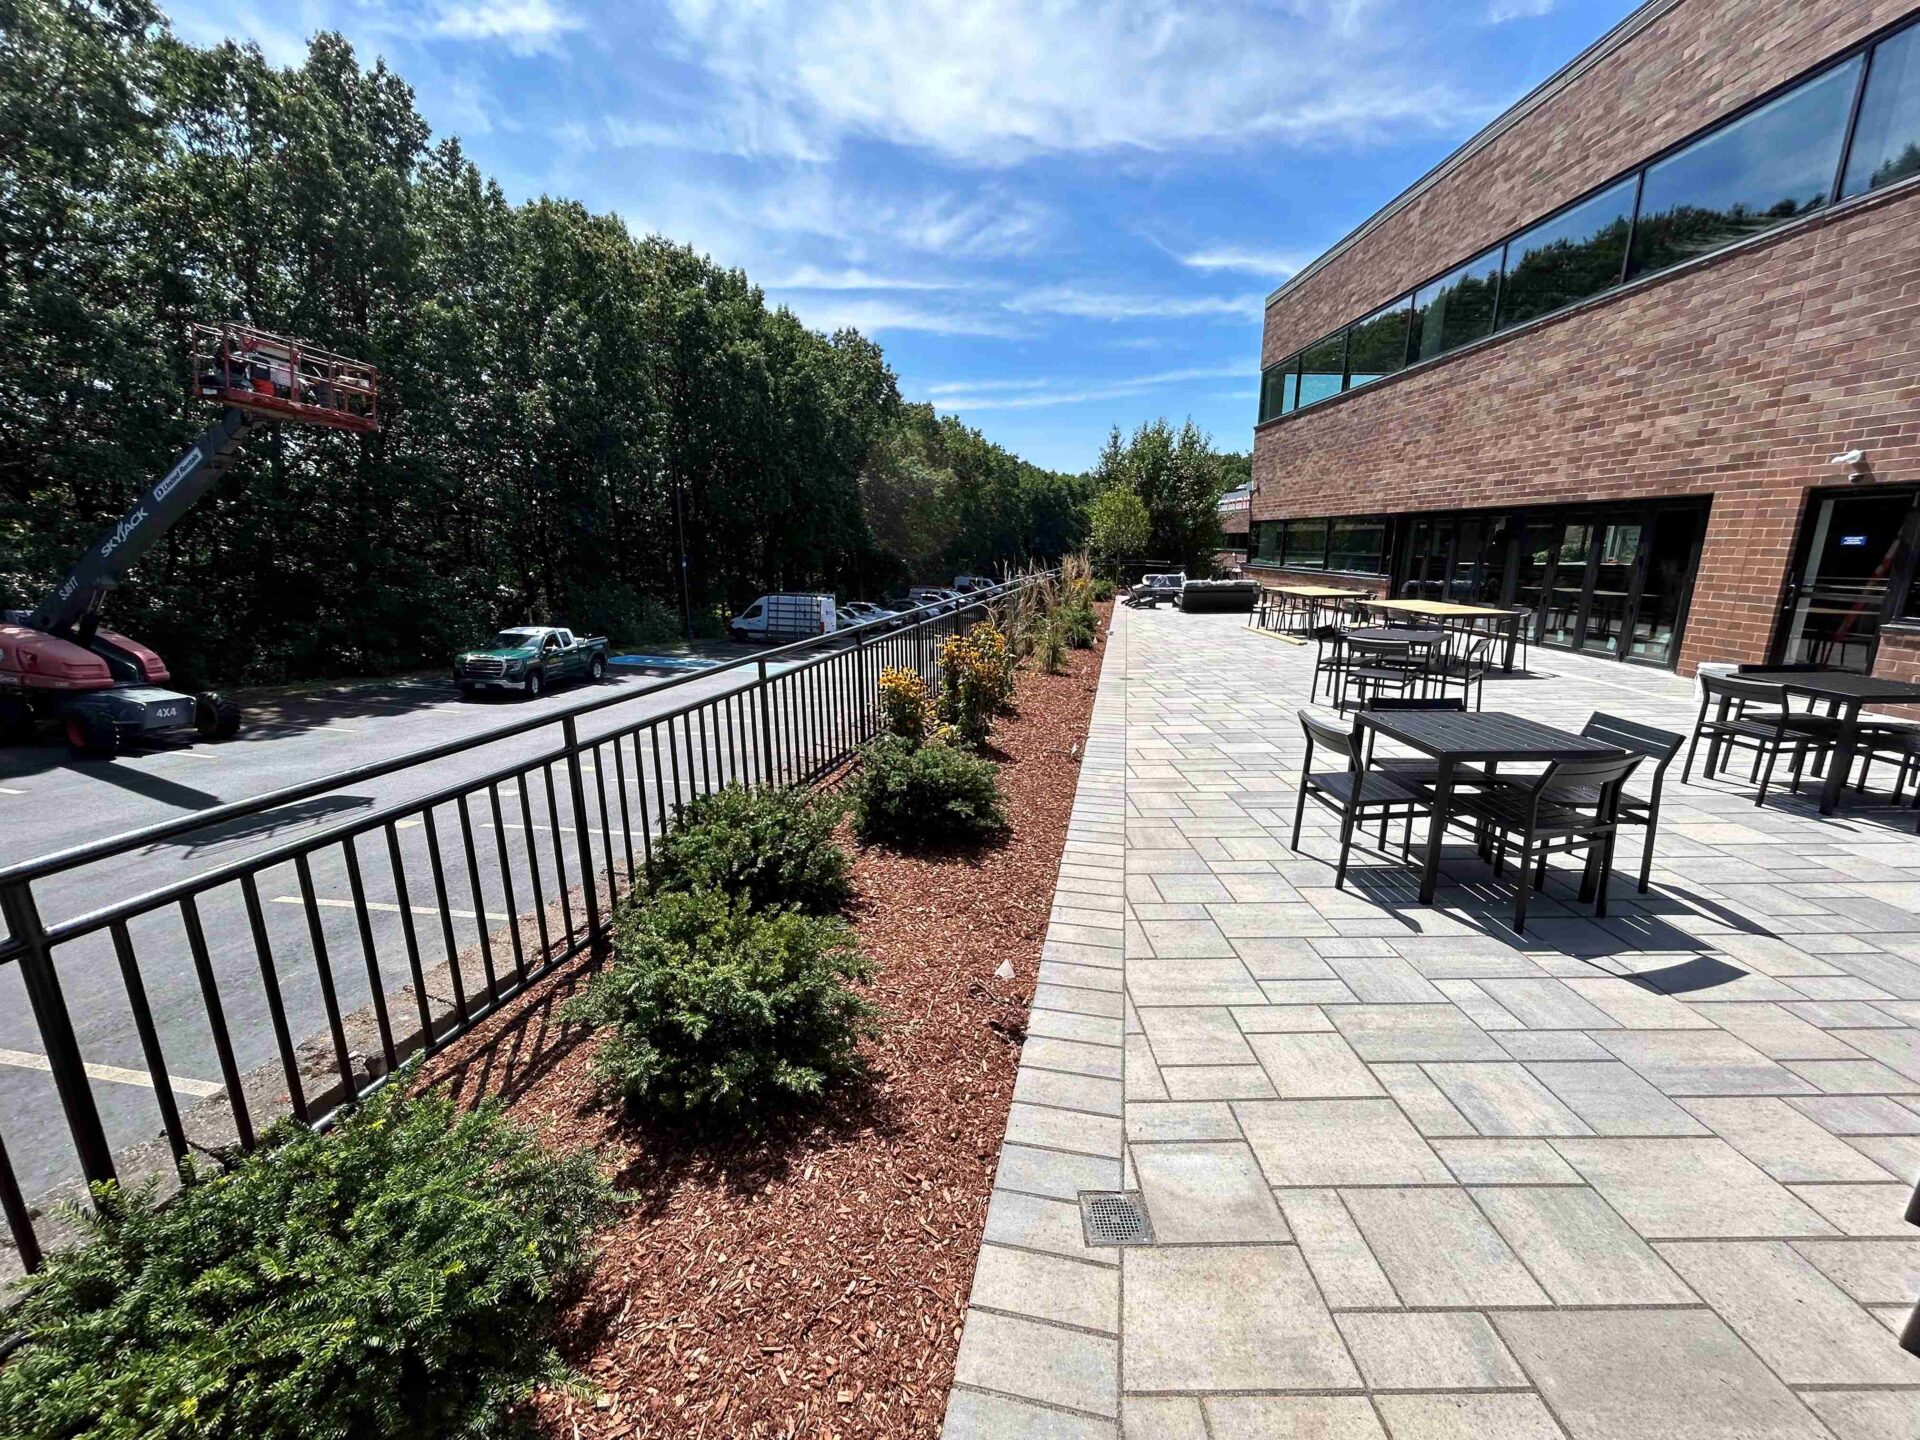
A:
[(113, 1074), (387, 906), (5, 791)]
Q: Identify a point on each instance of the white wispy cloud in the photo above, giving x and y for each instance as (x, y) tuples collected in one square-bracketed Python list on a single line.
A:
[(814, 277), (993, 81), (1047, 393), (1498, 12), (1123, 305), (1277, 265), (525, 24), (872, 316)]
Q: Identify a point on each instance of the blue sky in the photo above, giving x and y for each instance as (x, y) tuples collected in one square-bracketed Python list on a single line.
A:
[(1055, 216)]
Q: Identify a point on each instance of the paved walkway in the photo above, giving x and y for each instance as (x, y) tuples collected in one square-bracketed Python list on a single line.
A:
[(1413, 1176)]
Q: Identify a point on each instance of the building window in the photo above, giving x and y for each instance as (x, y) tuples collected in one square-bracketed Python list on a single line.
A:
[(1280, 388), (1886, 141), (1763, 170), (1323, 369), (1455, 309), (1377, 345), (1358, 545), (1306, 547), (1577, 253), (1263, 541)]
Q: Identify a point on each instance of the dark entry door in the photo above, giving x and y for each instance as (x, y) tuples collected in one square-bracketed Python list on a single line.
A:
[(1852, 548)]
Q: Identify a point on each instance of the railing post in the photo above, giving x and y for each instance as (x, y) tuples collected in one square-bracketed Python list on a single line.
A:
[(766, 728), (56, 1032), (596, 937), (18, 1220)]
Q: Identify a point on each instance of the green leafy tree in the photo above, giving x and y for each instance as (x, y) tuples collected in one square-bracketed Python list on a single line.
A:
[(1119, 527), (1179, 477)]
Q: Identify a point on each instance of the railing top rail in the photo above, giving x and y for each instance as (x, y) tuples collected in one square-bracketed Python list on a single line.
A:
[(96, 850)]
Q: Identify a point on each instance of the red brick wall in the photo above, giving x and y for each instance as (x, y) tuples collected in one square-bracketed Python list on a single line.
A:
[(1694, 64), (1736, 377)]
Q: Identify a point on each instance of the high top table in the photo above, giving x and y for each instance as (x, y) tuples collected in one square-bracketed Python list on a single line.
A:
[(1444, 611), (1846, 691), (1312, 598)]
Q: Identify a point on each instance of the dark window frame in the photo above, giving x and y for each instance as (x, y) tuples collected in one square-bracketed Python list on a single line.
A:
[(1862, 49)]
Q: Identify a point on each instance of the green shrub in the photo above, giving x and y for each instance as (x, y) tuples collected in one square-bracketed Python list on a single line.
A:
[(719, 1010), (769, 847), (1103, 589), (904, 794), (394, 1277), (977, 671), (1077, 623)]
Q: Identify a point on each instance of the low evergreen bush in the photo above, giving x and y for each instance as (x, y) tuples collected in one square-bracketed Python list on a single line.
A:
[(1077, 623), (767, 846), (719, 1011), (905, 794), (394, 1277)]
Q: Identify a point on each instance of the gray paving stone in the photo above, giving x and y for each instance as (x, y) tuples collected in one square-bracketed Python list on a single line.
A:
[(1505, 1162), (1195, 1035), (1201, 1193), (1228, 1318), (1343, 1266), (1613, 1100), (1659, 1374), (1387, 980), (1896, 1049), (1866, 1414), (1874, 1272), (1505, 1099), (1281, 959), (1032, 1361), (1337, 1142), (1456, 1350), (1782, 1141), (1795, 1319), (1313, 1066), (1860, 1115), (1546, 1005), (973, 1415), (1216, 1082), (1281, 1019), (1180, 1120), (1636, 1007), (1683, 1189), (1863, 1210), (1430, 1110), (1578, 1249), (1467, 1417), (1162, 1417), (1067, 1092), (1028, 1222), (1414, 1032), (1193, 982), (1047, 1287), (1306, 992), (1071, 1056), (1143, 1080), (1195, 939), (1437, 1249), (1052, 1173), (1299, 1417), (1531, 1045), (1070, 1025), (1701, 1063), (1852, 1077)]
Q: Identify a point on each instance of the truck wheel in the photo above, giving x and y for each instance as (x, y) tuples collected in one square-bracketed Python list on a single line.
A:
[(16, 722), (597, 671), (737, 635), (91, 735), (535, 684), (215, 718)]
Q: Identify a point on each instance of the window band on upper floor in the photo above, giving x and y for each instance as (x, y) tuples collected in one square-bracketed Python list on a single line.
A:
[(1849, 126)]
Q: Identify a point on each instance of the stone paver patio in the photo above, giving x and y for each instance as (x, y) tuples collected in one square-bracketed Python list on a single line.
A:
[(1413, 1176)]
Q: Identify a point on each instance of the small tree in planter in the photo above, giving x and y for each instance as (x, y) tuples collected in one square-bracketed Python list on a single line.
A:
[(906, 794), (977, 681)]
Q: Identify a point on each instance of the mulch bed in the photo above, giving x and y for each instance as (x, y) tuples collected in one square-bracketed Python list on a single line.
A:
[(812, 1281)]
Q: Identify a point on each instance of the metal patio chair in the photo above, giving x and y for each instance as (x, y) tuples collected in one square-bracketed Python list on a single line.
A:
[(1356, 792)]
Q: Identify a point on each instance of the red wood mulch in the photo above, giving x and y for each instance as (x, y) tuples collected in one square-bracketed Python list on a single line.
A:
[(812, 1282)]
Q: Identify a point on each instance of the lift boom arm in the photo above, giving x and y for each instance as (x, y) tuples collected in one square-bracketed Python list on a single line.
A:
[(158, 509)]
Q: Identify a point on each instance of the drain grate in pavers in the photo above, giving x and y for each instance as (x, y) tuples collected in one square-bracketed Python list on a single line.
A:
[(1115, 1217)]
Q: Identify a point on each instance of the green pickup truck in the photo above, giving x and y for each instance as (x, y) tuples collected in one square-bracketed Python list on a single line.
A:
[(530, 659)]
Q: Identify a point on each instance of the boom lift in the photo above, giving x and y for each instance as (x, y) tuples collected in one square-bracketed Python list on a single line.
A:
[(57, 662)]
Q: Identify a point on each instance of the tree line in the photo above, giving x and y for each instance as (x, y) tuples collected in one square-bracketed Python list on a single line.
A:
[(560, 397)]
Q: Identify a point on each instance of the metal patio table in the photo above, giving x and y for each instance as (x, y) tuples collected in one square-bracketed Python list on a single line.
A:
[(1466, 616), (1457, 737), (1846, 691), (1308, 601)]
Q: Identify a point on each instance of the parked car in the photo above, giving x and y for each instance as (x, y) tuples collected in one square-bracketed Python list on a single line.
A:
[(967, 584), (937, 598), (530, 659), (783, 618), (855, 613)]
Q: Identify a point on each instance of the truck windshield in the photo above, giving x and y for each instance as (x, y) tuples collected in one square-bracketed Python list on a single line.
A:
[(513, 639)]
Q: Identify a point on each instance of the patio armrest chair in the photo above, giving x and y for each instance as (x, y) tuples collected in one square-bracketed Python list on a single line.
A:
[(1570, 806), (1653, 745), (1754, 716), (1376, 665), (1468, 670), (1355, 791)]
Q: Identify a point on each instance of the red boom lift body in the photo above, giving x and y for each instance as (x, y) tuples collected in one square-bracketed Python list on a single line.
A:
[(57, 662)]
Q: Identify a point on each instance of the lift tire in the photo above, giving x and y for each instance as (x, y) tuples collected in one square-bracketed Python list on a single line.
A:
[(214, 717), (597, 669), (536, 684), (91, 735), (16, 722)]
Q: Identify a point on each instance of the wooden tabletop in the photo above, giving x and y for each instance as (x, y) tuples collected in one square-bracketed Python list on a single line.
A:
[(1482, 736), (1446, 608), (1316, 592)]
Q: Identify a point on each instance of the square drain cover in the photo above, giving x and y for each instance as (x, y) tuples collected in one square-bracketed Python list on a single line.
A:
[(1115, 1217)]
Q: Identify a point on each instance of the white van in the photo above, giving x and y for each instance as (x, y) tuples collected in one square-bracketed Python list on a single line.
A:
[(967, 584), (782, 618)]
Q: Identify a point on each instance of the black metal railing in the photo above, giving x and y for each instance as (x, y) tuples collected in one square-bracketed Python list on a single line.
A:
[(304, 1001)]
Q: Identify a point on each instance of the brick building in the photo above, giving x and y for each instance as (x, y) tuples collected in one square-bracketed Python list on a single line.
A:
[(1599, 362)]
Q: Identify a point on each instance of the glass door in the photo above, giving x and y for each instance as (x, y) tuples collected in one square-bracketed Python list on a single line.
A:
[(1851, 548), (1566, 588), (1666, 584), (1610, 595)]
